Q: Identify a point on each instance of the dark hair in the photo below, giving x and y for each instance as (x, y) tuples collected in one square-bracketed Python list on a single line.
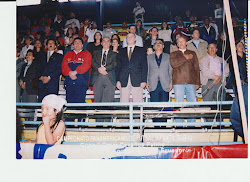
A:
[(166, 23), (95, 39), (59, 117), (118, 38), (67, 34), (132, 26), (77, 38), (76, 30), (213, 43), (49, 40), (29, 51), (153, 28), (174, 38), (195, 29)]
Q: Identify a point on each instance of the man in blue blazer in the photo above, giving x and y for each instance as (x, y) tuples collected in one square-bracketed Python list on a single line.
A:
[(49, 71), (131, 71)]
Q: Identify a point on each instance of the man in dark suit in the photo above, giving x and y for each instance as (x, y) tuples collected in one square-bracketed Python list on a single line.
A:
[(49, 71), (131, 71), (103, 72)]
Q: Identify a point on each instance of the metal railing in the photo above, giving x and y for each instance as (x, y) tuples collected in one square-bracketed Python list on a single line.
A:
[(142, 111)]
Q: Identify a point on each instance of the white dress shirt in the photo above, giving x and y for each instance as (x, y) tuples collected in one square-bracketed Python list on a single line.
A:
[(133, 47)]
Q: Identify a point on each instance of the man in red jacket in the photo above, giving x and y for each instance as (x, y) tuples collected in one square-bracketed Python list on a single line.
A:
[(75, 68)]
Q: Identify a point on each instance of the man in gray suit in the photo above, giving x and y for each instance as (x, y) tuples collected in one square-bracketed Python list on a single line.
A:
[(159, 81), (103, 72)]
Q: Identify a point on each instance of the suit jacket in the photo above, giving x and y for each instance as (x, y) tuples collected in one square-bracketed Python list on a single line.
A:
[(51, 68), (137, 67), (30, 79), (164, 72), (111, 63)]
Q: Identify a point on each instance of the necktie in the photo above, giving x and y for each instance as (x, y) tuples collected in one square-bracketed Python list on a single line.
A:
[(104, 58), (130, 53), (48, 56)]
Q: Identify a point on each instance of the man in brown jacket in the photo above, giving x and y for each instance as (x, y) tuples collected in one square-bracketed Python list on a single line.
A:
[(185, 74)]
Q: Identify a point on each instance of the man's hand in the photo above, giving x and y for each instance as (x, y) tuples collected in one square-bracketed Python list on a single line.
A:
[(188, 56), (118, 85), (46, 79), (197, 87), (170, 87), (21, 84), (143, 84), (72, 75), (102, 70), (147, 87), (216, 79)]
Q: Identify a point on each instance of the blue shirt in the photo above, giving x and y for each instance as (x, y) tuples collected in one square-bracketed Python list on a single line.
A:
[(158, 60)]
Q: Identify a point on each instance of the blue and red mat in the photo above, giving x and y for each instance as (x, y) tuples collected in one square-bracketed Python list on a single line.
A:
[(40, 151)]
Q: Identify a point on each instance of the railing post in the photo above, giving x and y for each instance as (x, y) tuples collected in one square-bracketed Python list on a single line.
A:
[(131, 122)]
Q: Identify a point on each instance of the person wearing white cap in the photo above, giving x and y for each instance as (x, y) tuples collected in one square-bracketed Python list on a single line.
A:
[(52, 129)]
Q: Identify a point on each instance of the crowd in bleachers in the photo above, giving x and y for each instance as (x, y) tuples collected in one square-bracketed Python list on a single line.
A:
[(37, 38)]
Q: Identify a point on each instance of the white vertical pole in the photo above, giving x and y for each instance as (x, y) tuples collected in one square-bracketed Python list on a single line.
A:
[(236, 69)]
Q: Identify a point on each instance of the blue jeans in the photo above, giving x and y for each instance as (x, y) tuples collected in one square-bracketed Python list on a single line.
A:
[(190, 91), (159, 95)]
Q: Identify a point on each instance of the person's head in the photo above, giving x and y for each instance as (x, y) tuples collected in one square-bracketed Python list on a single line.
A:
[(75, 30), (235, 22), (188, 12), (124, 25), (72, 15), (74, 36), (86, 22), (210, 18), (93, 25), (108, 25), (176, 36), (115, 36), (239, 47), (138, 3), (59, 16), (97, 37), (52, 107), (158, 46), (132, 29), (196, 34), (69, 32), (222, 36), (164, 25), (154, 31), (131, 39), (182, 43), (78, 44), (218, 5), (139, 23), (206, 21), (115, 43), (106, 43), (51, 44), (57, 34), (180, 22), (193, 18), (38, 35), (47, 30), (211, 50), (28, 40), (29, 56), (38, 44), (150, 50)]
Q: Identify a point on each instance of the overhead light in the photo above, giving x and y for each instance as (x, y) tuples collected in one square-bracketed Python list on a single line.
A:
[(27, 2)]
